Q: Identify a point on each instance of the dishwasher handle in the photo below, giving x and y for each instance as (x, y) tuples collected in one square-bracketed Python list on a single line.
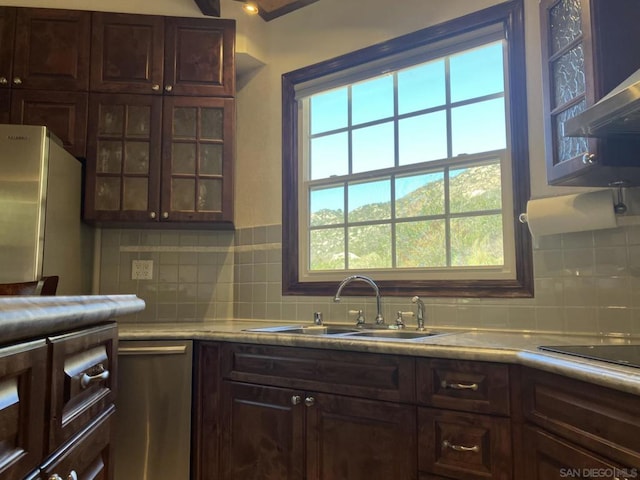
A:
[(153, 350)]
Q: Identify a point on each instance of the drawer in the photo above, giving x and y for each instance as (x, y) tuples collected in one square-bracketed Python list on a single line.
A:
[(600, 419), (82, 381), (478, 387), (547, 457), (23, 380), (464, 445), (89, 455), (379, 377)]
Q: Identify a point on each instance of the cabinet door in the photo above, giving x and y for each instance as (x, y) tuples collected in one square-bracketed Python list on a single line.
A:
[(262, 433), (89, 456), (52, 49), (5, 106), (7, 29), (359, 439), (23, 376), (123, 158), (83, 380), (65, 113), (549, 458), (127, 53), (199, 57), (585, 55), (197, 159)]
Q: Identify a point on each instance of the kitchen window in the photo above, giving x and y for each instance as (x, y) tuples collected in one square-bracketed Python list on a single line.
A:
[(406, 161)]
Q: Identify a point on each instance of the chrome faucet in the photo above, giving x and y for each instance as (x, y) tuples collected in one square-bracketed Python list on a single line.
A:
[(420, 313), (372, 284)]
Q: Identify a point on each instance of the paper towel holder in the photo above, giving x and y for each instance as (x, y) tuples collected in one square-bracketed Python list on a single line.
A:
[(619, 208)]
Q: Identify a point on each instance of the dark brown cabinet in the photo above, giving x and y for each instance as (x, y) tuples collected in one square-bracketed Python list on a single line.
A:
[(464, 430), (576, 425), (154, 159), (587, 51), (161, 141), (275, 419), (56, 401), (275, 433), (23, 378), (157, 55), (44, 58)]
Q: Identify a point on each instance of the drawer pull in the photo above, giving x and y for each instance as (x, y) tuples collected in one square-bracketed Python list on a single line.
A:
[(86, 379), (460, 448), (459, 386), (309, 401), (296, 399), (72, 476)]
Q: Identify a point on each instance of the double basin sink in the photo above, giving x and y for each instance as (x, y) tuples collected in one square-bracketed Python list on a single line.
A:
[(343, 331)]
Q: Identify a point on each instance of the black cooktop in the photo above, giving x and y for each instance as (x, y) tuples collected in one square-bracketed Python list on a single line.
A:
[(628, 355)]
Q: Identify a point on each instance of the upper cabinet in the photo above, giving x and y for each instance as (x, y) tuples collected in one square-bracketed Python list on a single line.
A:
[(156, 55), (588, 49), (51, 49), (44, 71)]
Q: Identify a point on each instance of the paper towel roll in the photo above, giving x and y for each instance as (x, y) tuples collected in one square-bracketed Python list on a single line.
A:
[(571, 213)]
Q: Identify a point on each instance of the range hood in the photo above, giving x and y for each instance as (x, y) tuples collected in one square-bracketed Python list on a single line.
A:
[(618, 113)]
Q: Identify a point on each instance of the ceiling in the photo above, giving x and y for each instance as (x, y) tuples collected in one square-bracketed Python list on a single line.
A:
[(268, 9)]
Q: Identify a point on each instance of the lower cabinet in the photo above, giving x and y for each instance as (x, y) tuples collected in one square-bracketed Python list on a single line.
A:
[(277, 433), (547, 457), (56, 404)]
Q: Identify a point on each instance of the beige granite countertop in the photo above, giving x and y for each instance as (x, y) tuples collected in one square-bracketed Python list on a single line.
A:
[(26, 317), (491, 346)]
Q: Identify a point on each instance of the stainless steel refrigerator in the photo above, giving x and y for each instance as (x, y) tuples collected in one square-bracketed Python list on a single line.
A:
[(41, 232)]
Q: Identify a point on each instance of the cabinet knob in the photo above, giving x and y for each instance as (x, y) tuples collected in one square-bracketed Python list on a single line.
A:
[(165, 214), (155, 87), (3, 80), (152, 215), (168, 88), (72, 476), (309, 401), (17, 80), (296, 399), (460, 448), (588, 159)]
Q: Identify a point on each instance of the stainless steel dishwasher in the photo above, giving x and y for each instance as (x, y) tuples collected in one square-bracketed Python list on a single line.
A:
[(153, 410)]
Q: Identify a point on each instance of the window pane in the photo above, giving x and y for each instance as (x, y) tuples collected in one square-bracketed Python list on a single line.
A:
[(329, 111), (421, 87), (136, 158), (370, 247), (212, 123), (211, 159), (327, 206), (135, 194), (184, 122), (475, 188), (111, 120), (209, 195), (107, 193), (423, 138), (420, 195), (373, 148), (477, 241), (139, 121), (477, 72), (372, 100), (421, 244), (329, 156), (183, 158), (369, 201), (479, 127), (183, 194), (327, 249), (109, 157)]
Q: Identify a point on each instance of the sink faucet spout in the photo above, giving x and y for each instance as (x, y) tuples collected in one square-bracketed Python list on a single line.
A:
[(372, 284)]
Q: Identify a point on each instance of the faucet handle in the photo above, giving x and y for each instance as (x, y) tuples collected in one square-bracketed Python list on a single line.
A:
[(400, 316), (360, 317)]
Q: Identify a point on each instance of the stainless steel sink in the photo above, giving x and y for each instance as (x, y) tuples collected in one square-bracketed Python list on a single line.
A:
[(395, 334), (308, 329), (345, 331)]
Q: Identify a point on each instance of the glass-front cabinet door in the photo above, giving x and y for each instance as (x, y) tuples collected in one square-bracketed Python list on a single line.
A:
[(123, 161), (197, 154)]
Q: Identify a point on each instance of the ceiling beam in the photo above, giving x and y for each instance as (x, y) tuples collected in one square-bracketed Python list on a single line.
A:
[(210, 8)]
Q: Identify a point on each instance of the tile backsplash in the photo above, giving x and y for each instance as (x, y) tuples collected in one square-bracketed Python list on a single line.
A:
[(584, 282)]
